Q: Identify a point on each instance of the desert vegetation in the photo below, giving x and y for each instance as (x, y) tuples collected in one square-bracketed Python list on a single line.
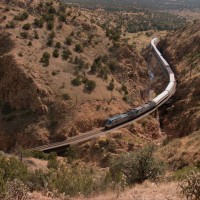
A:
[(71, 178)]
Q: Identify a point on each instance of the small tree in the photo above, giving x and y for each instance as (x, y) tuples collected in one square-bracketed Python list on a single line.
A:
[(111, 87)]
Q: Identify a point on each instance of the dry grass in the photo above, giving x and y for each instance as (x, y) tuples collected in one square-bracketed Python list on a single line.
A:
[(182, 151)]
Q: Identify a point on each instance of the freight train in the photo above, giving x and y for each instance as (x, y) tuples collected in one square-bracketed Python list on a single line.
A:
[(155, 103)]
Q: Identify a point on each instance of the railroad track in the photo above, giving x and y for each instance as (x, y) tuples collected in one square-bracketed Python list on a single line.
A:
[(101, 131)]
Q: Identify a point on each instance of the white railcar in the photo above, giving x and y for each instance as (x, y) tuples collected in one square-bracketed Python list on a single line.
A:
[(161, 97)]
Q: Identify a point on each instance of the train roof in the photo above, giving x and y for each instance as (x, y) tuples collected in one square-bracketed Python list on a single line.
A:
[(117, 117)]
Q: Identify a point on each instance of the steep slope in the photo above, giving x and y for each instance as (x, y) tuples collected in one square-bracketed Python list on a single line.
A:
[(182, 118), (58, 66), (182, 50)]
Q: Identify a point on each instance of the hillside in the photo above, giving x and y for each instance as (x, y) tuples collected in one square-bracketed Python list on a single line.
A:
[(181, 119), (181, 49), (57, 64), (63, 71)]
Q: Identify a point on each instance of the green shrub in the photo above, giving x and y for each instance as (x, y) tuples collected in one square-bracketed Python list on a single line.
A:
[(98, 107), (68, 41), (76, 81), (78, 48), (113, 66), (16, 189), (26, 26), (39, 154), (50, 25), (55, 53), (10, 24), (58, 45), (66, 97), (29, 43), (39, 22), (90, 86), (49, 42), (11, 169), (138, 166), (49, 17), (37, 180), (84, 79), (45, 59), (68, 179), (51, 10), (94, 68), (52, 163), (36, 36), (62, 17), (111, 85), (24, 35), (74, 180), (124, 89), (182, 173), (103, 72), (66, 54), (190, 187), (21, 17)]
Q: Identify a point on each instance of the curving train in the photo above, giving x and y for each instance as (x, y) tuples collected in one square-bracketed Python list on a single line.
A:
[(156, 102)]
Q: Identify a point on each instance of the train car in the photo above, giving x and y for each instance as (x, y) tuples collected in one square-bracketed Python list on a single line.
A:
[(161, 97), (145, 108), (158, 54), (116, 120), (171, 88), (171, 74), (130, 115)]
